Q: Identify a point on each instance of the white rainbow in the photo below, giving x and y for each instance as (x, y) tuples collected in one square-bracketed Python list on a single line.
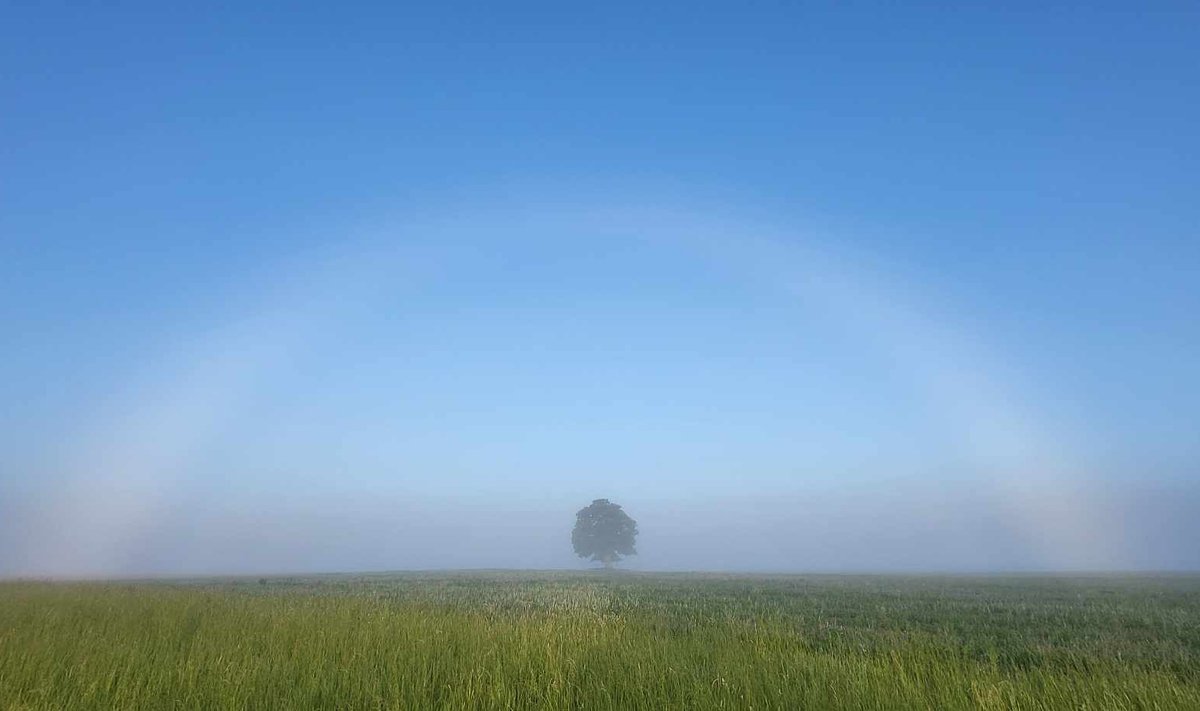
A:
[(124, 470)]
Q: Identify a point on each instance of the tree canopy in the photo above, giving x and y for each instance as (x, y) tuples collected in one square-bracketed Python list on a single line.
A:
[(604, 533)]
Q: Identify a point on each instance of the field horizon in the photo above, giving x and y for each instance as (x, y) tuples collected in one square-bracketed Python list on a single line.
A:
[(561, 639), (667, 572)]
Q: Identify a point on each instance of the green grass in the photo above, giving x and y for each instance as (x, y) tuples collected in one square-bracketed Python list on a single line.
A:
[(595, 641)]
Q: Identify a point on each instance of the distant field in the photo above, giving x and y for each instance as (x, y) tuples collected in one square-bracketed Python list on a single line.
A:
[(597, 641)]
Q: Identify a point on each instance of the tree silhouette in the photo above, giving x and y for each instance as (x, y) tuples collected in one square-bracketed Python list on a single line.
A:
[(604, 532)]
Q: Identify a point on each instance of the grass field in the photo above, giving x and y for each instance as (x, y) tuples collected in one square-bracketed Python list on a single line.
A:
[(604, 641)]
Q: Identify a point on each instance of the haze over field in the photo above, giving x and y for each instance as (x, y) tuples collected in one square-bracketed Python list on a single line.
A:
[(801, 291)]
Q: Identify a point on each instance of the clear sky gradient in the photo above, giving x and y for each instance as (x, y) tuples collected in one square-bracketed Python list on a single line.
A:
[(804, 287)]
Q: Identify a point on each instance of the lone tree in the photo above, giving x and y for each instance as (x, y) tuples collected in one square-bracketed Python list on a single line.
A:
[(604, 532)]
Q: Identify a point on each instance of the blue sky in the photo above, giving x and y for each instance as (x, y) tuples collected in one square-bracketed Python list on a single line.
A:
[(798, 273)]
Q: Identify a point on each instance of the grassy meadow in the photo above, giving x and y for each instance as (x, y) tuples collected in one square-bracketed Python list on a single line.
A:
[(603, 641)]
